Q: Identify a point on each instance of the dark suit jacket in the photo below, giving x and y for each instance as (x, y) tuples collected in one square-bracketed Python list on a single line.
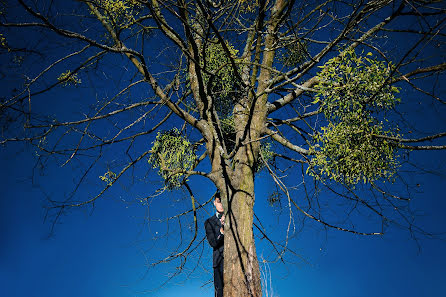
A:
[(215, 238)]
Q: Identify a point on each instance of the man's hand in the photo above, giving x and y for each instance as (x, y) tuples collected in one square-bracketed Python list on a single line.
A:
[(222, 221)]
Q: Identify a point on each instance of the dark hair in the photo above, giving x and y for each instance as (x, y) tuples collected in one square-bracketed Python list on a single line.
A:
[(217, 195)]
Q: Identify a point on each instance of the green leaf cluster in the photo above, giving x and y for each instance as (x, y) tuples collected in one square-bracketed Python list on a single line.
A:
[(228, 125), (3, 41), (223, 82), (69, 78), (351, 91), (120, 13), (267, 154), (170, 152), (293, 54), (228, 129), (351, 83), (349, 152), (109, 177), (247, 6)]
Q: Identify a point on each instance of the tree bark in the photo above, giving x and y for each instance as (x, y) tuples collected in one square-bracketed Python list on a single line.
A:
[(241, 267)]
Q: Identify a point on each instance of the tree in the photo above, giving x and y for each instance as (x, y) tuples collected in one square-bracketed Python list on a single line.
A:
[(248, 86)]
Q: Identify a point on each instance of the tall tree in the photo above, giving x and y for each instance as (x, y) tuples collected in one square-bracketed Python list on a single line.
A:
[(249, 85)]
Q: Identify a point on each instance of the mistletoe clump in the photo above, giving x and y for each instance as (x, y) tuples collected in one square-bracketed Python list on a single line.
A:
[(247, 6), (349, 151), (120, 13), (352, 147), (109, 177), (68, 78), (228, 130), (293, 54), (3, 41), (266, 156), (220, 74), (173, 155), (350, 83)]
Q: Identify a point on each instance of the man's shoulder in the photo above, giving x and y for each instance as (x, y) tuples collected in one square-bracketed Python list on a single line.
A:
[(210, 219)]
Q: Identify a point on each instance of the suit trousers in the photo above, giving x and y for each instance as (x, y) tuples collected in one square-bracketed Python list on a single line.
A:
[(218, 280)]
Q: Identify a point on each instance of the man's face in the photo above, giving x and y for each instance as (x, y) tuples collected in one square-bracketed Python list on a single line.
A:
[(218, 205)]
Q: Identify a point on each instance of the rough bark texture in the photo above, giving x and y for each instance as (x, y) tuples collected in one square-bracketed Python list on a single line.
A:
[(241, 268)]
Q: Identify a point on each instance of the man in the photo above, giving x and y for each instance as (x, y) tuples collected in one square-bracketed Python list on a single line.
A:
[(215, 234)]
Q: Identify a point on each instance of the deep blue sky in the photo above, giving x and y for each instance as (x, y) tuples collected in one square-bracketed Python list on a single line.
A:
[(103, 252), (99, 254)]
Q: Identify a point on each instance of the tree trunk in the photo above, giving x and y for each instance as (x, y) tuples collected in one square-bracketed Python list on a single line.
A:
[(241, 267)]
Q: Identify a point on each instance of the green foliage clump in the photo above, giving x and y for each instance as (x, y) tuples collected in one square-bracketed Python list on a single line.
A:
[(266, 155), (293, 54), (349, 149), (3, 41), (228, 129), (247, 6), (172, 152), (351, 83), (69, 78), (120, 13), (224, 84), (228, 125), (109, 177)]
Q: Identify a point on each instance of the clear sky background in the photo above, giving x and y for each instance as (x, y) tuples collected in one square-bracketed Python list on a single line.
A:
[(104, 251), (100, 253)]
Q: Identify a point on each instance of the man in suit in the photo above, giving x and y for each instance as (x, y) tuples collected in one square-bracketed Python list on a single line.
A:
[(215, 234)]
